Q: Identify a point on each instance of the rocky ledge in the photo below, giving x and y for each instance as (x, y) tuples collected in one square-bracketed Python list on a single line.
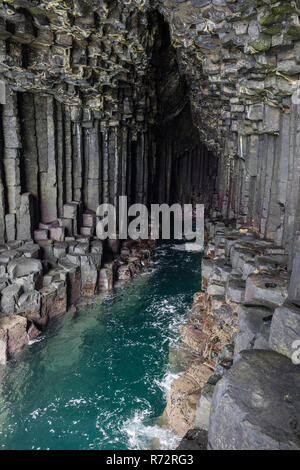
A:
[(41, 279), (241, 330)]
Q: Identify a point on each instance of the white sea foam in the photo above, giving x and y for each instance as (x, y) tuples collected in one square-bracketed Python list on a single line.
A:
[(142, 437), (36, 340), (165, 383)]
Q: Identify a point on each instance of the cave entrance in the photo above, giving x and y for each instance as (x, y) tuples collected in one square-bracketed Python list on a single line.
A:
[(186, 171)]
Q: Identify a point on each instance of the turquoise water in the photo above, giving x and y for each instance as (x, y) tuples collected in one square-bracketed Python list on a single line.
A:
[(98, 378)]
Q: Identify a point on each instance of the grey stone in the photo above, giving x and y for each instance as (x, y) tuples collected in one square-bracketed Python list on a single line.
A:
[(10, 224), (89, 220), (29, 304), (57, 234), (235, 290), (203, 407), (215, 289), (294, 287), (256, 405), (23, 267), (207, 268), (252, 321), (41, 234), (267, 290), (71, 211), (26, 217), (285, 330), (9, 298)]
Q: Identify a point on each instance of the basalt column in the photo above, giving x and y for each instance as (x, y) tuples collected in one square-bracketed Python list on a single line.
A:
[(186, 170)]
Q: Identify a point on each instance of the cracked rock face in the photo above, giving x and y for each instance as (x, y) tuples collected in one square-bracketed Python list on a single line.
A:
[(247, 397)]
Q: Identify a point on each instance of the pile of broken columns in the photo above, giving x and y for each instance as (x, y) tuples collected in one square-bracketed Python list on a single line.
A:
[(252, 401), (44, 277)]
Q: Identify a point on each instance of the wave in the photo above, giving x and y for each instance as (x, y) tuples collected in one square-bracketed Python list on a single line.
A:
[(141, 436), (165, 383)]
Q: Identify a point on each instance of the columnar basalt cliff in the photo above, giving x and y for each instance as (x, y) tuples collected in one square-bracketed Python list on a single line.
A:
[(163, 101)]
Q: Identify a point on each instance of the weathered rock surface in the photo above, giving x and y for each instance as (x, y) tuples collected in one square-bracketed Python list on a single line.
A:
[(13, 336), (184, 395), (195, 439), (285, 329), (256, 405), (254, 327), (267, 290)]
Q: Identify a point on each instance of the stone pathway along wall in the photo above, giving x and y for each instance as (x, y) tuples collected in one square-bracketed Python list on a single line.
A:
[(242, 326)]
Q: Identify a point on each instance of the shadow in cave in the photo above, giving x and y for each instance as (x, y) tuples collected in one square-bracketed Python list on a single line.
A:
[(186, 171)]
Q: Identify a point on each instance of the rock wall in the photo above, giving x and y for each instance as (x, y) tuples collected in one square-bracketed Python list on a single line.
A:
[(162, 101), (241, 61), (243, 330), (88, 113), (93, 79)]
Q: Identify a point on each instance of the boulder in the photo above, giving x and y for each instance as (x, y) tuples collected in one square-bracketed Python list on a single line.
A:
[(252, 327), (60, 302), (256, 405), (23, 267), (29, 305), (3, 282), (8, 255), (248, 268), (285, 329), (46, 247), (267, 290), (30, 250), (9, 298)]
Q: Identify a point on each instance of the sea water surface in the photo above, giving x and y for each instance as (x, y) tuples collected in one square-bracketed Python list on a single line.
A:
[(98, 378)]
